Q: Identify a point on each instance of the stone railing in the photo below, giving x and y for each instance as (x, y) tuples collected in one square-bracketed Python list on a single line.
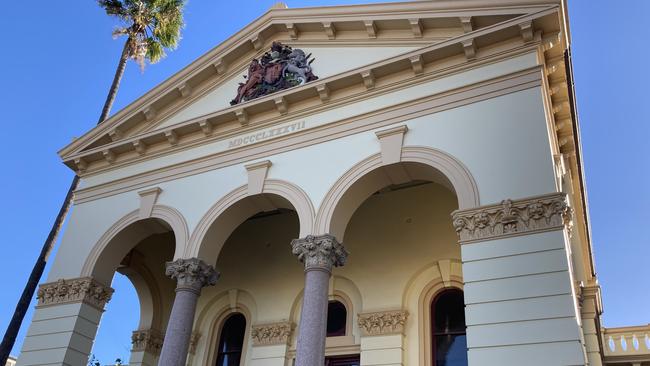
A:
[(627, 344)]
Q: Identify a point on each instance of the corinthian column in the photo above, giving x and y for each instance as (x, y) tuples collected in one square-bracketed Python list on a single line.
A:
[(319, 254), (191, 276)]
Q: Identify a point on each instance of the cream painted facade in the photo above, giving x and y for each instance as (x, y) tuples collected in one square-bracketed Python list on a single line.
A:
[(439, 149)]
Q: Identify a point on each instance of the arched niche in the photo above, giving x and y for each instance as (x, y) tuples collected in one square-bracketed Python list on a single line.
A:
[(370, 175), (232, 210)]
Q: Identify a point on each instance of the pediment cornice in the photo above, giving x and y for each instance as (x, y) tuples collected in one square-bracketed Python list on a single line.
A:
[(417, 23), (397, 72)]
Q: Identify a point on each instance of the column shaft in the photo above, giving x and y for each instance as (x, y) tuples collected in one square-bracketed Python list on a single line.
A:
[(191, 276), (319, 254), (179, 329), (313, 319)]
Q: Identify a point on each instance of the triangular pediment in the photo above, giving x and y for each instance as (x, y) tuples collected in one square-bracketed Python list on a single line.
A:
[(329, 32), (340, 38)]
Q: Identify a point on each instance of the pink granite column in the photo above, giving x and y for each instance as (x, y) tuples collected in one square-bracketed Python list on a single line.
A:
[(191, 276), (319, 254)]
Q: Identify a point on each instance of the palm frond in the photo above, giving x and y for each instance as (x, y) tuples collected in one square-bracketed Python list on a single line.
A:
[(152, 26)]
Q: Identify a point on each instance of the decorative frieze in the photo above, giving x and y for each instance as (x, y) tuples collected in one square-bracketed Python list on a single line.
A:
[(83, 289), (322, 251), (271, 334), (381, 323), (542, 213), (147, 340), (192, 274)]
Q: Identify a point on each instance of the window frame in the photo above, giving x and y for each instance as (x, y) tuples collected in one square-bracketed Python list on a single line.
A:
[(432, 320)]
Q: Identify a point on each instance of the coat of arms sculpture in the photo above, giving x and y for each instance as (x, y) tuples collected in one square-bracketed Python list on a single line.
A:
[(281, 68)]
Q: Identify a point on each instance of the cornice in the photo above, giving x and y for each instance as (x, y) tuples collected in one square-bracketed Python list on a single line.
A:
[(284, 24), (263, 109), (513, 217)]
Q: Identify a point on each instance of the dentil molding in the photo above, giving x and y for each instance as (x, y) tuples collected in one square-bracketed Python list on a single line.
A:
[(535, 214), (271, 334), (147, 340), (83, 289), (381, 323)]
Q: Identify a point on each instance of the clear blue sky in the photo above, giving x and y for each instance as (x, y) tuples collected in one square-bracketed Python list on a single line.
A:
[(58, 61)]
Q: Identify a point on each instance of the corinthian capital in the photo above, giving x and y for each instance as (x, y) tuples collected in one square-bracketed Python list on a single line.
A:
[(192, 274), (83, 289), (322, 251)]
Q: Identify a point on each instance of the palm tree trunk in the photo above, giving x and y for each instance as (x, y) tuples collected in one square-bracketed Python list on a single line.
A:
[(32, 283)]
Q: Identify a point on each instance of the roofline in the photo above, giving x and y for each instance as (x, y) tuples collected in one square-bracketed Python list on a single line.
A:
[(281, 16)]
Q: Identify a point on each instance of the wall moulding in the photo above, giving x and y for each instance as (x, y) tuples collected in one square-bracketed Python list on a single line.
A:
[(529, 78), (272, 334), (77, 290), (510, 218), (382, 323)]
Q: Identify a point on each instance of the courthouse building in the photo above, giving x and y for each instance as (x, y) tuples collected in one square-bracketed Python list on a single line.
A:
[(389, 184)]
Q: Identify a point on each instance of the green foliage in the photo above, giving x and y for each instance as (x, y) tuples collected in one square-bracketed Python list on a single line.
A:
[(151, 26)]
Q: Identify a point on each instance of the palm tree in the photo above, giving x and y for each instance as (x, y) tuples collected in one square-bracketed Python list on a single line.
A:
[(150, 27)]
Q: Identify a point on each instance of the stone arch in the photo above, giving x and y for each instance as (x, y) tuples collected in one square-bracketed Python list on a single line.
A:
[(345, 196), (210, 319), (149, 294), (115, 243), (420, 291), (231, 210)]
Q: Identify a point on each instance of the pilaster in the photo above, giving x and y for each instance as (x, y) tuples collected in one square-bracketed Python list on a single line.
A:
[(146, 346), (65, 322), (382, 337), (518, 287), (270, 343)]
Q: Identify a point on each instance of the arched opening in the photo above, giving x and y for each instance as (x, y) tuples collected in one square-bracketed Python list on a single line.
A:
[(395, 221), (133, 261), (231, 340), (249, 242), (448, 330), (337, 316)]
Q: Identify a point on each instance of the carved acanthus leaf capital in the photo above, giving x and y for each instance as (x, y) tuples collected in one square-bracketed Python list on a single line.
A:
[(384, 322), (147, 340), (83, 289), (542, 213), (271, 334), (322, 252), (192, 274)]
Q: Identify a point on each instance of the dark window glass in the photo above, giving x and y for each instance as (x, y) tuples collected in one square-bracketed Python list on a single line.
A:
[(351, 360), (448, 329), (231, 340), (336, 318)]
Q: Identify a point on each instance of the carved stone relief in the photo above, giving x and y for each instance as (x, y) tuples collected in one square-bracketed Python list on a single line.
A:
[(148, 340), (380, 323), (83, 289), (542, 213), (271, 334)]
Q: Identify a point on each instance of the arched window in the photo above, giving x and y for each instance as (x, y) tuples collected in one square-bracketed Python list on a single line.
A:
[(231, 340), (448, 329), (337, 316)]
